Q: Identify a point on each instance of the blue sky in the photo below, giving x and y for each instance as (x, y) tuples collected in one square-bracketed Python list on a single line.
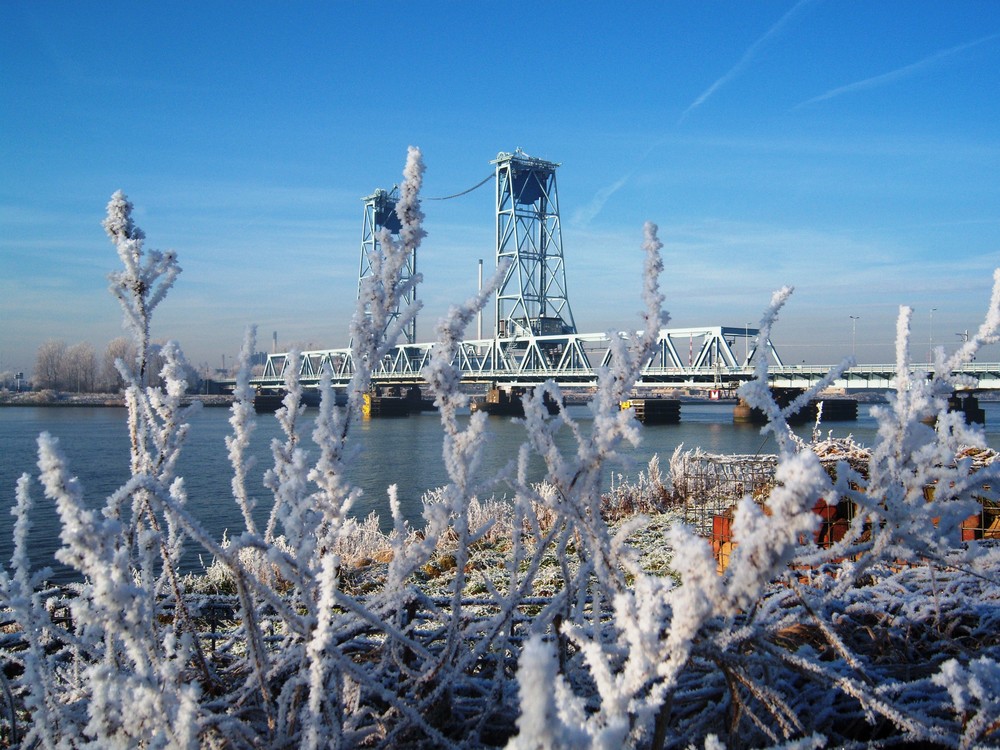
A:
[(850, 149)]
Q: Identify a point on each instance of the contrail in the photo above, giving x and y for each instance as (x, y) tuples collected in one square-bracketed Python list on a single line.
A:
[(589, 212), (895, 75), (747, 58), (584, 215)]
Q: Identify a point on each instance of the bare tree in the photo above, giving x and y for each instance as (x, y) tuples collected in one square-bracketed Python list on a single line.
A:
[(49, 364), (120, 348), (80, 368), (146, 277), (155, 362)]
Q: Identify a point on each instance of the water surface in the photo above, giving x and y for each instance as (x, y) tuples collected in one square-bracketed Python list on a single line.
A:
[(404, 451)]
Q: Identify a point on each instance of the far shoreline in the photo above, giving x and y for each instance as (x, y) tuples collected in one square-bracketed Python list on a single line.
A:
[(96, 400)]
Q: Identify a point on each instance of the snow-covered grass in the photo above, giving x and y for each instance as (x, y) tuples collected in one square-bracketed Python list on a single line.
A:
[(553, 617)]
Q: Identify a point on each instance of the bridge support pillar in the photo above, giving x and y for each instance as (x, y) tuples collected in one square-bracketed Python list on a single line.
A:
[(967, 405), (834, 409)]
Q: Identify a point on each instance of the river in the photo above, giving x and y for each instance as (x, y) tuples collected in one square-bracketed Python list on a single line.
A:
[(404, 451)]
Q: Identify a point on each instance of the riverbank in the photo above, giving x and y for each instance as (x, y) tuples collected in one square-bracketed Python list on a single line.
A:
[(59, 398)]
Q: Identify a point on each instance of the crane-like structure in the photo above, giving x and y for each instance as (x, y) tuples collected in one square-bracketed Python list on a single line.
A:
[(532, 298), (380, 216)]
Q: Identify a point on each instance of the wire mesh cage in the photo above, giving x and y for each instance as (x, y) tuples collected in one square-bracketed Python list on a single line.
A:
[(708, 487), (710, 484)]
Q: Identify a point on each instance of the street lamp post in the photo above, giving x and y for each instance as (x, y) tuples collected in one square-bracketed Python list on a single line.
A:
[(930, 339), (964, 337), (854, 333)]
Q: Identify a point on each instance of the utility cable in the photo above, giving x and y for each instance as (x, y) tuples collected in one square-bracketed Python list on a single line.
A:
[(456, 195)]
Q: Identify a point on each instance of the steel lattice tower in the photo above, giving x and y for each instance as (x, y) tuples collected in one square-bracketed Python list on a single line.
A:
[(380, 213), (531, 299)]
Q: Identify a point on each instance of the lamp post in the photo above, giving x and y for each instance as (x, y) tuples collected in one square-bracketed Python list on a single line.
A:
[(964, 337), (930, 339), (746, 345), (854, 333)]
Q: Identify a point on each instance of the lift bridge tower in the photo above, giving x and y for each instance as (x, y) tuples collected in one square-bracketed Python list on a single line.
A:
[(380, 213), (531, 299)]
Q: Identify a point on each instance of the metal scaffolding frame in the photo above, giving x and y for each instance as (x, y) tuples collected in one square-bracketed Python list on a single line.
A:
[(531, 299), (380, 215)]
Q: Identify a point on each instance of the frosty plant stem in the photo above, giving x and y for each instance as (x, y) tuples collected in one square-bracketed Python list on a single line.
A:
[(577, 481), (462, 449), (382, 290), (242, 422), (146, 278)]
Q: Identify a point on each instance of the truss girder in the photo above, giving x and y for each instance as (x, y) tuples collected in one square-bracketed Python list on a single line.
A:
[(568, 358)]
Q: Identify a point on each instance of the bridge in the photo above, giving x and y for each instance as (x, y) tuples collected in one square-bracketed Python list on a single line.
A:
[(572, 360), (534, 335)]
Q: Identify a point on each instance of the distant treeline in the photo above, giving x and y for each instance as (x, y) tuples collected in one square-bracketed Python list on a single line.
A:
[(79, 369)]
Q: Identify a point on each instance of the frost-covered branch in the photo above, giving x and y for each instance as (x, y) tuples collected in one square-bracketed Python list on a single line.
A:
[(242, 422), (145, 279), (381, 291)]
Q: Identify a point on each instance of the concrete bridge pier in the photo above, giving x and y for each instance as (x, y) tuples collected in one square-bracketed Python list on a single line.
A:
[(395, 401), (968, 404), (834, 409), (965, 403)]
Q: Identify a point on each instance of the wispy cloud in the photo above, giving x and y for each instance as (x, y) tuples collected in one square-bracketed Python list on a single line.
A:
[(900, 73), (748, 57), (585, 215)]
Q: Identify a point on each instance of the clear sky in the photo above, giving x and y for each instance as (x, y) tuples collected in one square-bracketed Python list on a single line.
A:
[(850, 149)]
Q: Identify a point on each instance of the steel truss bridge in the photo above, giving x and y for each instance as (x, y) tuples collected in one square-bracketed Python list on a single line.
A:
[(694, 358), (534, 335)]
